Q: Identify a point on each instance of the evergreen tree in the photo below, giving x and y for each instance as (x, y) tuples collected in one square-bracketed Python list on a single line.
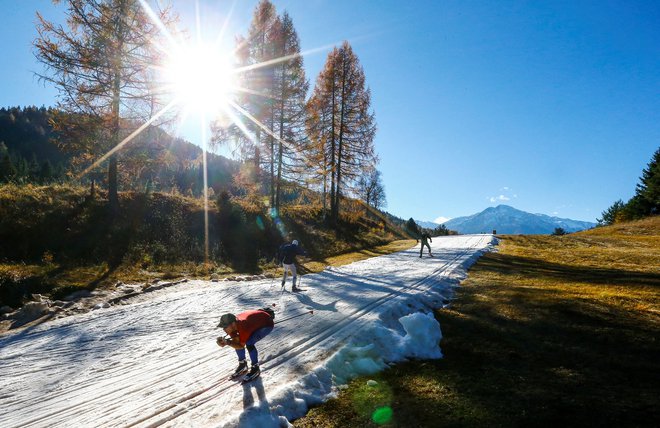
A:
[(559, 231), (647, 195), (46, 172), (7, 168), (413, 228), (102, 64), (613, 214)]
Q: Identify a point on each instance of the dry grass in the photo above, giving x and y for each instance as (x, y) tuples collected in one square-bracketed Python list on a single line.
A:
[(58, 280), (549, 331)]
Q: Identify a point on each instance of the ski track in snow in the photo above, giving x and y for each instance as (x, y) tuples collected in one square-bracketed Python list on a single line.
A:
[(154, 361)]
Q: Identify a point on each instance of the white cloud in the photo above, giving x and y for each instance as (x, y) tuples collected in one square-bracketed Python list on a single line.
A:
[(441, 219), (500, 198)]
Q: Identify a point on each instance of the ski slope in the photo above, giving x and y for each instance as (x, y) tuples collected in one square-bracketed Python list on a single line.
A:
[(154, 361)]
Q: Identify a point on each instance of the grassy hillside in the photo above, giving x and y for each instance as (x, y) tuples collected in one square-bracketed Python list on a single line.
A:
[(549, 331), (55, 239)]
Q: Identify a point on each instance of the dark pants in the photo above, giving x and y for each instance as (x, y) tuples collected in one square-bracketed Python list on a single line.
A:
[(256, 336)]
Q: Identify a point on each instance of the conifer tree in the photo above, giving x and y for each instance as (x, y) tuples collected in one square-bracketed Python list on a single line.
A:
[(255, 53), (7, 168), (289, 109), (271, 102), (647, 193), (345, 128), (102, 63)]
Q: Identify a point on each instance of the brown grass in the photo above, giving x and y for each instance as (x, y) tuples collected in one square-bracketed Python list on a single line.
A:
[(549, 331)]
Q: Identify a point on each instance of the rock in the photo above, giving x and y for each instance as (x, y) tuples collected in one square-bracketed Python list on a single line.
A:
[(5, 310), (372, 383), (58, 303), (78, 295), (101, 305), (29, 312), (37, 297), (214, 277)]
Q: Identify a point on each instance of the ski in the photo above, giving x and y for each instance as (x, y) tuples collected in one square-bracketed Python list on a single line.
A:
[(240, 371), (247, 379), (238, 376)]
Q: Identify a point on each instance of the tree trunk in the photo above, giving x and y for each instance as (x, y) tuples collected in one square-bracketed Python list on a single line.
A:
[(332, 153), (340, 140)]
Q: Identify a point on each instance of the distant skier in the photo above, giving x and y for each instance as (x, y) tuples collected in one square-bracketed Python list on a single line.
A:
[(244, 330), (287, 256), (425, 238)]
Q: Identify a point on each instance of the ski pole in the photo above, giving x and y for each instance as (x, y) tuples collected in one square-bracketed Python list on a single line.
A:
[(295, 316), (272, 282)]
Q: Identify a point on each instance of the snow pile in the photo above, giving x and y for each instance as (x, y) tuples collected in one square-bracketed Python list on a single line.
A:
[(421, 340)]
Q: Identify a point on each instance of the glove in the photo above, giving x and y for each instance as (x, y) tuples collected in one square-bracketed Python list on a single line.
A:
[(221, 341)]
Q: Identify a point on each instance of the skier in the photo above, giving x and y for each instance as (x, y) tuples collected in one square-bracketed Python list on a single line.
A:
[(244, 330), (425, 238), (287, 257)]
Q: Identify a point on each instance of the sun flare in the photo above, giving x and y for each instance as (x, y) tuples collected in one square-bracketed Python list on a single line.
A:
[(201, 78)]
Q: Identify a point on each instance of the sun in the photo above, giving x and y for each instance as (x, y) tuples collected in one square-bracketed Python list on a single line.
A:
[(201, 78)]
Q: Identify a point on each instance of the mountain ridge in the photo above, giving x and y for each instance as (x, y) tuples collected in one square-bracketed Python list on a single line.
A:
[(505, 219)]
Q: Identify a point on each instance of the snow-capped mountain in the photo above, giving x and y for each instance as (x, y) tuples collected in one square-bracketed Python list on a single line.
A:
[(508, 220)]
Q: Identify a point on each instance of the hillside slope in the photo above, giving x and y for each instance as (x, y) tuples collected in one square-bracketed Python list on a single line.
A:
[(57, 238)]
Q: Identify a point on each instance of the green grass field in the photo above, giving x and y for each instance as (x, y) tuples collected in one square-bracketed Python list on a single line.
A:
[(548, 331)]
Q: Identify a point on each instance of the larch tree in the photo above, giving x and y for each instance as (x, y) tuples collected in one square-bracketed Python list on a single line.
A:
[(344, 134), (271, 102), (254, 98), (289, 111), (102, 63)]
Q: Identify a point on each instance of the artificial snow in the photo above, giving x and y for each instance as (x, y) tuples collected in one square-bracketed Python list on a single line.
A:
[(153, 361)]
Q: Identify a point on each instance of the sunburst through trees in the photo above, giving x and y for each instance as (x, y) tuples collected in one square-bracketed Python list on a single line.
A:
[(121, 67)]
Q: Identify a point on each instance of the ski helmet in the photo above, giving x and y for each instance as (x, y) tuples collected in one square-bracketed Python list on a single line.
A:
[(226, 320), (295, 242)]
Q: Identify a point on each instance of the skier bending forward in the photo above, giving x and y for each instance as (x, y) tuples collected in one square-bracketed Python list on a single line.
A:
[(425, 238), (244, 330)]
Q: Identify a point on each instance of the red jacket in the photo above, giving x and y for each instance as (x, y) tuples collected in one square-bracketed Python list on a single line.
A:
[(249, 321)]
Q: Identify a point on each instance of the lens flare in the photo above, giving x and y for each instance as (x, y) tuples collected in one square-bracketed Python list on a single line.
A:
[(382, 415)]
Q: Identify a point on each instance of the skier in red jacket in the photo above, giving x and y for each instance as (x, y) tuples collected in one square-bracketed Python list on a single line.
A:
[(244, 330)]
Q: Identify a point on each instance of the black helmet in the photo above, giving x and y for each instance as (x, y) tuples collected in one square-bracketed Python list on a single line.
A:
[(226, 320)]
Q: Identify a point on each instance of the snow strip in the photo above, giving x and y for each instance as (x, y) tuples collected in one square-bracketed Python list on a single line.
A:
[(154, 362)]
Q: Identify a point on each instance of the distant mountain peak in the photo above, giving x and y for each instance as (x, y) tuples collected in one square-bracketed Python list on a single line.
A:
[(506, 219)]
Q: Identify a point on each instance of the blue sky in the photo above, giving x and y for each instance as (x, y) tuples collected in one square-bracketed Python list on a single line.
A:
[(551, 107)]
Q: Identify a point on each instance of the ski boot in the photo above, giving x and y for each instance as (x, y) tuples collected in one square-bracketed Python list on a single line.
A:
[(240, 370), (252, 374)]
